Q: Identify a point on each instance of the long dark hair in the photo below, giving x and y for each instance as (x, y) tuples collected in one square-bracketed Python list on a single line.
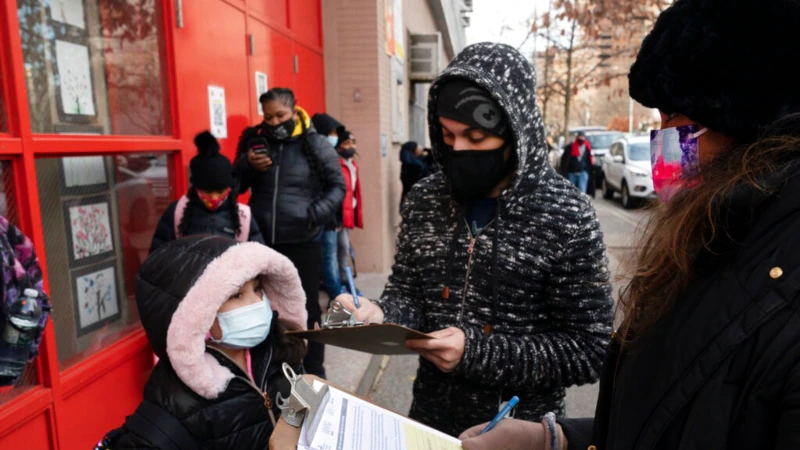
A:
[(286, 97), (693, 222), (194, 200), (286, 348)]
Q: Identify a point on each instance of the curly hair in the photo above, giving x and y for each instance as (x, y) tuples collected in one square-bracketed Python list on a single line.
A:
[(287, 98), (194, 200), (693, 223)]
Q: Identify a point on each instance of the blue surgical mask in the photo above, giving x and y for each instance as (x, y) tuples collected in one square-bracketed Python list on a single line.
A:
[(333, 140), (245, 327)]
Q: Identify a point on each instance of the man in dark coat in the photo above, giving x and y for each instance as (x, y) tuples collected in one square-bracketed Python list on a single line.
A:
[(576, 164)]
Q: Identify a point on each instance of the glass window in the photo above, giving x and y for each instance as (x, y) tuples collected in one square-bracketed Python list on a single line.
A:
[(602, 140), (99, 214), (95, 66), (8, 210), (639, 152)]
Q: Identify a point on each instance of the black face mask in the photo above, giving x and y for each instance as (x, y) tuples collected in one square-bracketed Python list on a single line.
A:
[(474, 173), (281, 131), (347, 152)]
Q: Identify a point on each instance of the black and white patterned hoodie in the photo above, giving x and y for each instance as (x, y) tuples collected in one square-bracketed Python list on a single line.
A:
[(533, 297)]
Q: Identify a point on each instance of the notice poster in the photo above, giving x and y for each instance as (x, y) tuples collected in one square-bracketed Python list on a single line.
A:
[(399, 31), (75, 77), (216, 108), (388, 26), (261, 88)]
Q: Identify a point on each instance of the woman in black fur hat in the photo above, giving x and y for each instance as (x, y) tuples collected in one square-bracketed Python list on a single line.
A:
[(708, 355), (210, 206)]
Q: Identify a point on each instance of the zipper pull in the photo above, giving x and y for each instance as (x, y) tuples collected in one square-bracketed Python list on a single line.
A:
[(267, 400), (471, 245)]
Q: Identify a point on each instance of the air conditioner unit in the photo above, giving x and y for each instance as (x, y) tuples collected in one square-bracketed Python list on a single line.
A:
[(426, 56)]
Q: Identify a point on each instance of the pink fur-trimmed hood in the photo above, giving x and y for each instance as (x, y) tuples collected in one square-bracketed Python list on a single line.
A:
[(183, 284)]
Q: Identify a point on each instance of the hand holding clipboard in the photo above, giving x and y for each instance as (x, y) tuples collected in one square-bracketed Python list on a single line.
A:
[(357, 324)]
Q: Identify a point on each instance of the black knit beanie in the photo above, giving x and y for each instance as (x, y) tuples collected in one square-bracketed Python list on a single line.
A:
[(344, 134), (465, 102), (211, 170), (726, 64)]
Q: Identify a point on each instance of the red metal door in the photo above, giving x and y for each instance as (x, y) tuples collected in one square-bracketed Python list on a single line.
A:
[(272, 54), (211, 50), (309, 80)]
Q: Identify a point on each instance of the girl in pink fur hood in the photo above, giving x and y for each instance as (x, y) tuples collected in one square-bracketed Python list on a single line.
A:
[(215, 312)]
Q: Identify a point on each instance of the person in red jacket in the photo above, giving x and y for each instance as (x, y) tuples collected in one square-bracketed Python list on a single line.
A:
[(352, 215)]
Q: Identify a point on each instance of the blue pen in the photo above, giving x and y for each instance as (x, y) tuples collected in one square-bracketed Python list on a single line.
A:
[(502, 414), (352, 287)]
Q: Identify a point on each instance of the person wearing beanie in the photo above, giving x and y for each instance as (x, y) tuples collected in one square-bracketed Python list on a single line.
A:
[(210, 206), (707, 356), (215, 312), (499, 259), (327, 126), (352, 213)]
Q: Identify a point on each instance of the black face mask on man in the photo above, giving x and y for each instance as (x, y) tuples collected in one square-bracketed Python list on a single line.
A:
[(474, 173), (281, 131)]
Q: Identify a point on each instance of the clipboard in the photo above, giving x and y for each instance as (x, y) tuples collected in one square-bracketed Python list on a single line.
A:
[(303, 411), (340, 329)]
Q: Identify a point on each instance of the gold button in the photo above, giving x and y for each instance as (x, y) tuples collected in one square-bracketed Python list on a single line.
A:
[(776, 273), (591, 447)]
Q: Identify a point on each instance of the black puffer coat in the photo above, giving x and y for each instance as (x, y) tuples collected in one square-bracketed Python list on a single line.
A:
[(203, 221), (179, 289), (721, 370), (289, 202), (531, 292)]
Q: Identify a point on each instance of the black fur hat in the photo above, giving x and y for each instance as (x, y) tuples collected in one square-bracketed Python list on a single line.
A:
[(726, 64), (211, 170)]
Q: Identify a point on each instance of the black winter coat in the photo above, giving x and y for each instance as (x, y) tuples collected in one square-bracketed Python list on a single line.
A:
[(237, 419), (291, 204), (203, 222), (721, 370), (530, 292), (179, 289), (570, 164)]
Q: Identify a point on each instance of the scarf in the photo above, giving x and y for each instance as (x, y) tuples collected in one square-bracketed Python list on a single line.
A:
[(576, 150)]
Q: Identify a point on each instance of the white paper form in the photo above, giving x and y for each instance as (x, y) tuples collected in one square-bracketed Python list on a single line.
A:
[(349, 423)]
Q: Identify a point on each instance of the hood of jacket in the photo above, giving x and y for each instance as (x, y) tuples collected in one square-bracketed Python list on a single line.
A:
[(181, 286), (510, 79), (408, 154), (325, 124)]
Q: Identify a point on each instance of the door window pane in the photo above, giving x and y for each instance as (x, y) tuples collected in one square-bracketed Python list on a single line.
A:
[(99, 214), (95, 66)]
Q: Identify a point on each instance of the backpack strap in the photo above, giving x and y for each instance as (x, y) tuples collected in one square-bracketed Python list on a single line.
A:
[(245, 215), (180, 209), (160, 428)]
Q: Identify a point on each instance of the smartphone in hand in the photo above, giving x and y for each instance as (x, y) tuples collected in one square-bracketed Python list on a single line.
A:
[(259, 146)]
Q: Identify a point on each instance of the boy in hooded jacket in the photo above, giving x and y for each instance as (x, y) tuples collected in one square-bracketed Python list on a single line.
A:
[(217, 326)]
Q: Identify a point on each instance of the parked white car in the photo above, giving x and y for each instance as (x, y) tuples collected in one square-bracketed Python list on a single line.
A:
[(627, 170)]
